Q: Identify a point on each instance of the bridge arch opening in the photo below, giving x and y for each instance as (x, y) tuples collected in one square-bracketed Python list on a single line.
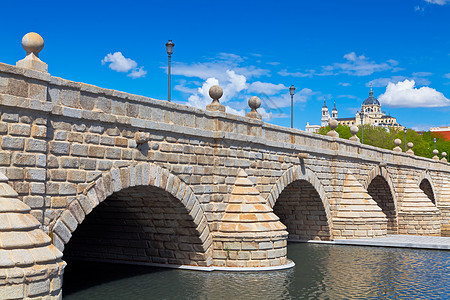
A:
[(300, 208), (380, 191), (427, 188), (141, 224)]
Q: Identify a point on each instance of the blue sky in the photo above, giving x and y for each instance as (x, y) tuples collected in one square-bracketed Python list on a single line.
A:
[(326, 49)]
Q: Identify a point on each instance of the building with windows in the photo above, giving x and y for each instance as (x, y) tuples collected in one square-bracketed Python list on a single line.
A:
[(370, 113), (442, 132)]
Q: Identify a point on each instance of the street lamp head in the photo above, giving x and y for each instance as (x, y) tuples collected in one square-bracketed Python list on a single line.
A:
[(292, 90), (169, 47), (404, 130)]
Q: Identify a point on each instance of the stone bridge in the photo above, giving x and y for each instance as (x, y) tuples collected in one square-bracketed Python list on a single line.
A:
[(93, 173)]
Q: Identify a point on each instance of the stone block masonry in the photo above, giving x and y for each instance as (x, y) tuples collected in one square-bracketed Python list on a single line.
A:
[(122, 177)]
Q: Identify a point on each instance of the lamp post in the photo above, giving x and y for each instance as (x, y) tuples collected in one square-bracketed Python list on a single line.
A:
[(361, 116), (292, 90), (169, 47), (404, 130)]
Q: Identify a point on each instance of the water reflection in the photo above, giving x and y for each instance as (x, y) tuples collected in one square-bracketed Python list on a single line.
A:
[(321, 272)]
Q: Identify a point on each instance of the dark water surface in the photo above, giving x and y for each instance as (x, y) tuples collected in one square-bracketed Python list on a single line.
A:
[(321, 272)]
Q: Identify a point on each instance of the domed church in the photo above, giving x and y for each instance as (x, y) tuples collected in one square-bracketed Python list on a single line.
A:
[(371, 114)]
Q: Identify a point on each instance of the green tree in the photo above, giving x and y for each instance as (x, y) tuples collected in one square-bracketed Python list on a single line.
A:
[(382, 138)]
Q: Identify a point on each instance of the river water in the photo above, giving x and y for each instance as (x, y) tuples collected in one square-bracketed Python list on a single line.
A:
[(321, 272)]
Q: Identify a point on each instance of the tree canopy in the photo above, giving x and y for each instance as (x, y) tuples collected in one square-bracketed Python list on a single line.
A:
[(383, 138)]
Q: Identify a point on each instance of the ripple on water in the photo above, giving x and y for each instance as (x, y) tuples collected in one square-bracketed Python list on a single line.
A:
[(321, 272)]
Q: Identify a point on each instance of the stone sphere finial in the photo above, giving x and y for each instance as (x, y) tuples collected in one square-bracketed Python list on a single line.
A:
[(354, 130), (32, 43), (436, 152), (410, 150), (254, 103), (333, 125), (215, 92), (397, 143), (444, 154)]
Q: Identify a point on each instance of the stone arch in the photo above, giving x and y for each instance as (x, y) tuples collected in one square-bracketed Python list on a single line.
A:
[(142, 178), (426, 184), (379, 186), (308, 219)]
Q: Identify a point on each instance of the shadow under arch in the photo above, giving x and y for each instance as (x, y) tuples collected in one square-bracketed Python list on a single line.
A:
[(299, 200), (136, 214), (425, 183), (379, 186)]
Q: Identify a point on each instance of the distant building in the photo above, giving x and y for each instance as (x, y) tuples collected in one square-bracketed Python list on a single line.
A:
[(312, 128), (372, 115), (443, 132)]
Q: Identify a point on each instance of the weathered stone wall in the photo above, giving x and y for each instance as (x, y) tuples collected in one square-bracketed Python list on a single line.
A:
[(380, 192), (141, 224), (59, 137), (300, 208)]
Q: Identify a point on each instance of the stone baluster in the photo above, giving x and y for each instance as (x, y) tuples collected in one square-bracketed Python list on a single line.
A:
[(354, 130), (333, 125), (33, 43), (444, 154), (397, 143), (254, 103), (215, 92), (410, 150), (435, 152)]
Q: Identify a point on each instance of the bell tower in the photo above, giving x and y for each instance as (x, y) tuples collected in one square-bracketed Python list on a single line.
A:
[(334, 112), (325, 115)]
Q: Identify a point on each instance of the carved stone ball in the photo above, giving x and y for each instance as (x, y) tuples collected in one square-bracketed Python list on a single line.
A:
[(354, 129), (410, 145), (254, 102), (444, 154), (215, 92), (333, 124), (397, 142), (435, 151), (32, 43)]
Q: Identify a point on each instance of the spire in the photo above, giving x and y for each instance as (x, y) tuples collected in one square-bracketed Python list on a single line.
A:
[(324, 103), (334, 106), (371, 91)]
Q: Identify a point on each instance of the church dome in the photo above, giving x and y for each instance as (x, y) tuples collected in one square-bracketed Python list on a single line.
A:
[(371, 100)]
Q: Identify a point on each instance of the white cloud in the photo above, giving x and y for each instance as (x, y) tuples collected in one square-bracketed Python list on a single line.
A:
[(118, 62), (359, 65), (237, 81), (217, 68), (138, 73), (344, 84), (308, 73), (438, 2), (233, 84), (354, 65), (447, 76), (422, 74), (403, 94), (418, 78), (273, 63), (266, 88)]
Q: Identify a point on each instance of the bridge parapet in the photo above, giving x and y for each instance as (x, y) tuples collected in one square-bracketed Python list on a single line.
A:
[(61, 141)]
